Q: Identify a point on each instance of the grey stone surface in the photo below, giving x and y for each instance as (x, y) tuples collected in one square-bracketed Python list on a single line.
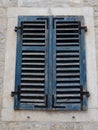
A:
[(48, 126), (39, 3), (62, 126), (49, 3), (3, 12), (3, 24), (7, 3), (91, 2)]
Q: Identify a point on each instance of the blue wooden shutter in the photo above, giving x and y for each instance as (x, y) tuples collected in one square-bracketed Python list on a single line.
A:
[(69, 65), (31, 87)]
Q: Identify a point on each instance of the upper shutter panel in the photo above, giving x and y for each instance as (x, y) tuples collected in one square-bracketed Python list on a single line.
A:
[(32, 85), (68, 88)]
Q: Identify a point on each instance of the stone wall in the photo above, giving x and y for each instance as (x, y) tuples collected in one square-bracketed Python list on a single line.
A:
[(40, 125)]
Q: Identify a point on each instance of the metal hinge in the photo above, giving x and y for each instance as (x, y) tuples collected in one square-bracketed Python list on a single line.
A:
[(86, 93), (17, 28), (13, 93), (84, 27)]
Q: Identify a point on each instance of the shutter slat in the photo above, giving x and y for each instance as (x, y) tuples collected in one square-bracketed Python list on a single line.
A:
[(32, 79), (67, 34), (32, 89), (70, 84), (69, 54), (32, 68), (39, 59), (67, 59), (68, 79), (67, 38), (33, 74), (68, 69), (60, 48), (67, 29), (66, 44), (31, 39), (33, 44), (67, 64), (32, 29), (32, 84), (32, 54), (29, 63), (68, 74), (33, 34)]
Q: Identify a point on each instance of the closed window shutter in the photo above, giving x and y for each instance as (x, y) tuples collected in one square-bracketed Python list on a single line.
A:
[(31, 67), (69, 68), (50, 63)]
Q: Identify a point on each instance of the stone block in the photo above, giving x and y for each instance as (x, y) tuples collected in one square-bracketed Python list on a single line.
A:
[(8, 3), (91, 2), (3, 12), (62, 126), (78, 126), (47, 3)]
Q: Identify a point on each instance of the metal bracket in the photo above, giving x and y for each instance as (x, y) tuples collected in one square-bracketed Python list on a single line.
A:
[(83, 92), (86, 93), (84, 27), (13, 93), (17, 28)]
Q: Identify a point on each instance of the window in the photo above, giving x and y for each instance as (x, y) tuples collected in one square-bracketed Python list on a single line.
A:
[(50, 63)]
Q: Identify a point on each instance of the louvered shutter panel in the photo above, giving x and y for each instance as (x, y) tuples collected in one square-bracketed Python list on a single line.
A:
[(31, 63), (69, 68)]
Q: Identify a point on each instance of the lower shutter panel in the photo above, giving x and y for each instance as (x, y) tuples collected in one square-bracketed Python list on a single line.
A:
[(67, 88), (33, 86)]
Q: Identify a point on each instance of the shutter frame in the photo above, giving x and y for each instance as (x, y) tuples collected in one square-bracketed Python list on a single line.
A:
[(83, 71), (18, 64)]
